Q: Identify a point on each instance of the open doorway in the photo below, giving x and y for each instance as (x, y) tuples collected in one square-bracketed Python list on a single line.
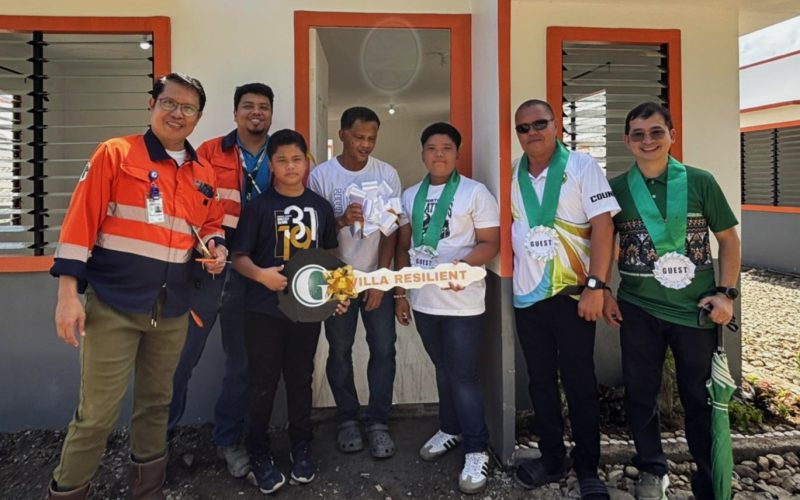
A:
[(412, 71)]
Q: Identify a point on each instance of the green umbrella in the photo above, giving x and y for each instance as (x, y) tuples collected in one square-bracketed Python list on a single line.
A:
[(721, 387)]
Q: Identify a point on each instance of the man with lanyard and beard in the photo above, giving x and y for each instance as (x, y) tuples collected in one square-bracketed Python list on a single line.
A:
[(242, 169), (667, 273), (562, 236)]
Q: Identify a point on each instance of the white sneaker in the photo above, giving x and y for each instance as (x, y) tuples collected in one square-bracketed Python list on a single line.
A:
[(438, 445), (236, 458), (475, 473), (651, 487)]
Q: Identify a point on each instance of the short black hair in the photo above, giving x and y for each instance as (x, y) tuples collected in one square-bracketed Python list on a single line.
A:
[(537, 102), (183, 80), (285, 137), (253, 88), (441, 128), (351, 115), (646, 110)]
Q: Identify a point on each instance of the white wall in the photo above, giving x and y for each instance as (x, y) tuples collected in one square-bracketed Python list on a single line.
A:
[(772, 82), (709, 68), (770, 116)]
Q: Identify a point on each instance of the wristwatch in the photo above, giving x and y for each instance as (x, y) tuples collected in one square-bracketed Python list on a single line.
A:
[(730, 292), (594, 283)]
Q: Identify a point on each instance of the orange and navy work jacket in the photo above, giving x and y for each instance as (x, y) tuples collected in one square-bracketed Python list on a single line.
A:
[(222, 153), (106, 240)]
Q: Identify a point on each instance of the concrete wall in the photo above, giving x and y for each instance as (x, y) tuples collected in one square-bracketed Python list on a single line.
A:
[(769, 240)]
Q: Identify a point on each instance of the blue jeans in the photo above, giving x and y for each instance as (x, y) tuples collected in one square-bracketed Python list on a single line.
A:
[(381, 336), (453, 343), (208, 298)]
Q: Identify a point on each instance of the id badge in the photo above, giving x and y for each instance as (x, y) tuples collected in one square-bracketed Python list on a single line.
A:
[(155, 210)]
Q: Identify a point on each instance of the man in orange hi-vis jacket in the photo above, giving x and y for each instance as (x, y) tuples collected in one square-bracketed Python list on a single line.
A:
[(141, 206)]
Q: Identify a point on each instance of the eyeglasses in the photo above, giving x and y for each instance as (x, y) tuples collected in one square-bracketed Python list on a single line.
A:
[(656, 135), (524, 128), (169, 105)]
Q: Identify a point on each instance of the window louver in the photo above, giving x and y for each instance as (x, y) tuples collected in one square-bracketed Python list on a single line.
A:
[(770, 167), (601, 82), (60, 95)]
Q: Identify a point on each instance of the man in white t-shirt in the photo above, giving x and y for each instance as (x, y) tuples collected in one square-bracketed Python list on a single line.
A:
[(331, 180), (562, 236)]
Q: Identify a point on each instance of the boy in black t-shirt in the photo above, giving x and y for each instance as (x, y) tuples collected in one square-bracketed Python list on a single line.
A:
[(274, 226)]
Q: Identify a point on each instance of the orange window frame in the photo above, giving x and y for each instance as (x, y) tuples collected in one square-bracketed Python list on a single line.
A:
[(459, 26), (157, 26), (557, 35)]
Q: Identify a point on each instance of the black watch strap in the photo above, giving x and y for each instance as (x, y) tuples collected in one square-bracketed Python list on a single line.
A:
[(730, 292), (595, 283)]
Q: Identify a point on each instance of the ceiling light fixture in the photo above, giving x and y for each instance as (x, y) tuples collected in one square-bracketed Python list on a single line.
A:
[(392, 110)]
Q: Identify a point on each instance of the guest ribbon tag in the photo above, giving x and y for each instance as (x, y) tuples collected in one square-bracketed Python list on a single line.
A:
[(424, 254), (542, 239), (673, 269)]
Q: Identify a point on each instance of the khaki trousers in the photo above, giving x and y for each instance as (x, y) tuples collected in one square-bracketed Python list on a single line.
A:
[(115, 344)]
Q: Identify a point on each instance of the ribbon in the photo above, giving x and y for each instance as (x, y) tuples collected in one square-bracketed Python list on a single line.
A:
[(381, 211), (341, 283)]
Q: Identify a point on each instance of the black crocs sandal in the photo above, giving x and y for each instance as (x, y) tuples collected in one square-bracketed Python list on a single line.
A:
[(380, 442), (349, 437)]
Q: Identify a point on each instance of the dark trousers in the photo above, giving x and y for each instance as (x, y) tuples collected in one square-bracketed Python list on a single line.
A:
[(555, 340), (381, 337), (644, 340), (453, 343), (278, 346)]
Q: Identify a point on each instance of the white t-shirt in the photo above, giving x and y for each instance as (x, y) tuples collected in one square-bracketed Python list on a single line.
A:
[(473, 208), (178, 156), (585, 193), (330, 180)]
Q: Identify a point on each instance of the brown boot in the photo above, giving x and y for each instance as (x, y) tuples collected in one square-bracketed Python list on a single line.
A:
[(77, 494), (147, 479)]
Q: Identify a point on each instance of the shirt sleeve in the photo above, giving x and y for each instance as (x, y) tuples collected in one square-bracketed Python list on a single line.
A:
[(485, 212), (329, 239), (315, 182), (716, 209), (597, 195), (212, 226), (408, 200), (247, 229), (85, 215)]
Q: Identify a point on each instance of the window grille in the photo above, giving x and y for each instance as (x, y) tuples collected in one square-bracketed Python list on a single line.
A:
[(601, 82), (770, 169), (61, 95)]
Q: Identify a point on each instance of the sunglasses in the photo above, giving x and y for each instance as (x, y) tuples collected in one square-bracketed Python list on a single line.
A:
[(524, 128), (656, 135)]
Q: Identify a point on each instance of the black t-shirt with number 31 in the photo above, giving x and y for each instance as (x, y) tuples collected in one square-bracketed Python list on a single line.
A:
[(274, 227)]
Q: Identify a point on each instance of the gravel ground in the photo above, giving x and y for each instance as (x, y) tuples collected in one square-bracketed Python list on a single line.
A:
[(771, 327)]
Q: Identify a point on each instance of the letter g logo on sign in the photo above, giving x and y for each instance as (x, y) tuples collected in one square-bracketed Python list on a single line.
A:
[(309, 286)]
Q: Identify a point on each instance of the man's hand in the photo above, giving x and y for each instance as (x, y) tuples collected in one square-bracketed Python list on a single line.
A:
[(611, 311), (220, 254), (342, 307), (590, 307), (69, 311), (372, 299), (722, 311), (352, 215), (272, 278), (402, 311)]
